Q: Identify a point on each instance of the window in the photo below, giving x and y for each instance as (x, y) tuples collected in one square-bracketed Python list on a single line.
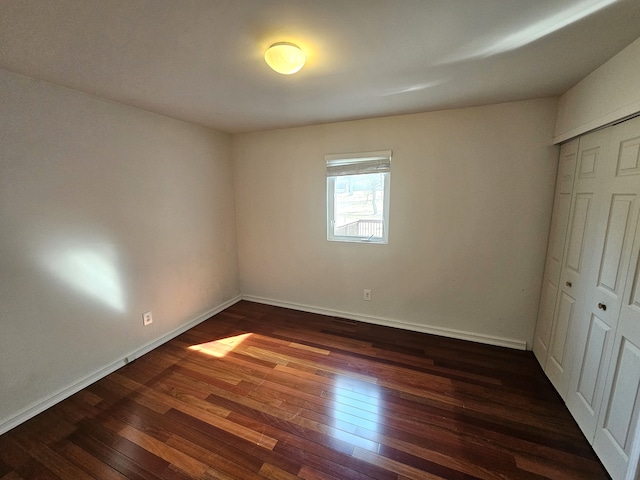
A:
[(358, 196)]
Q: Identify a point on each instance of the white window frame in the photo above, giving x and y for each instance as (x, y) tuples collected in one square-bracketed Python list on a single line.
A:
[(345, 164)]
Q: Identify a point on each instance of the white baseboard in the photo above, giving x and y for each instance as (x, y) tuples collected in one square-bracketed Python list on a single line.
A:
[(41, 405), (388, 322)]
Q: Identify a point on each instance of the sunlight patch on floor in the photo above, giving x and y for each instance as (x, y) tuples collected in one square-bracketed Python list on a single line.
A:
[(220, 348)]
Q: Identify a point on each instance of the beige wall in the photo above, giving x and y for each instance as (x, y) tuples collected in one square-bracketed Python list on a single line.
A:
[(471, 194), (608, 94), (106, 212)]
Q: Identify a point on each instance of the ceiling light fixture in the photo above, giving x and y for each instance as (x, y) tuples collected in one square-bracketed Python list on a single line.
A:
[(285, 58)]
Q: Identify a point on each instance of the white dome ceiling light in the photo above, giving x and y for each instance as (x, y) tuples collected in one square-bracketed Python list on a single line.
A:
[(285, 58)]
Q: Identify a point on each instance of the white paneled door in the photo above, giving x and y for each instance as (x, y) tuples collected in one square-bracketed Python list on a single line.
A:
[(577, 264), (555, 248), (597, 317), (618, 419), (588, 333)]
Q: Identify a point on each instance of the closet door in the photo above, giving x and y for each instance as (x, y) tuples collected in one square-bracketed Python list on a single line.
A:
[(618, 422), (597, 316), (618, 419), (555, 248), (577, 263)]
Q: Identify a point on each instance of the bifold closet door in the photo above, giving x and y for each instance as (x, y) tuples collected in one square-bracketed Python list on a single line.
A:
[(618, 416), (618, 421), (597, 317), (555, 248), (577, 263)]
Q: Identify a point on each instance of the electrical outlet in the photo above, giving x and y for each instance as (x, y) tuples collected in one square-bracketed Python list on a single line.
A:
[(366, 295), (147, 319)]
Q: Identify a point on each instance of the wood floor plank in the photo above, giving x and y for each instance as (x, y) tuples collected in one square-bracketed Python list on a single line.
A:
[(5, 469), (262, 392), (308, 473), (406, 470), (57, 463), (334, 463), (174, 398), (12, 475), (274, 473), (120, 451), (86, 462), (220, 466), (164, 450), (547, 468)]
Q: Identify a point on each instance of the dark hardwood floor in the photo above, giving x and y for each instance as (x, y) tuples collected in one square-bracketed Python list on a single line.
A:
[(264, 392)]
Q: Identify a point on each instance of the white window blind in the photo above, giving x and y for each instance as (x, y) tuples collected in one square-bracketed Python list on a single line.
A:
[(358, 163)]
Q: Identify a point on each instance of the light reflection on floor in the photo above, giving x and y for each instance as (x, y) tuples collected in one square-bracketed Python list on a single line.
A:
[(355, 415), (354, 405)]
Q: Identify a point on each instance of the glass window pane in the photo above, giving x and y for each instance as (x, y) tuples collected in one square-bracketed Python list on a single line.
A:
[(359, 206)]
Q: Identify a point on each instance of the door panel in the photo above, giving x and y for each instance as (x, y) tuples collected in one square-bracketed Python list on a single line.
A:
[(610, 267), (555, 249), (616, 396), (624, 395), (545, 315), (557, 368), (556, 246), (576, 234), (615, 435), (565, 311), (629, 159), (589, 163), (598, 311), (591, 364), (578, 265)]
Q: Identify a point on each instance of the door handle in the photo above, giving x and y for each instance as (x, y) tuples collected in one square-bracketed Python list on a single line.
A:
[(602, 306)]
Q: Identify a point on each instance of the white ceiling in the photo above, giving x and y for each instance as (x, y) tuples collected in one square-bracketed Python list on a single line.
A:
[(202, 60)]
